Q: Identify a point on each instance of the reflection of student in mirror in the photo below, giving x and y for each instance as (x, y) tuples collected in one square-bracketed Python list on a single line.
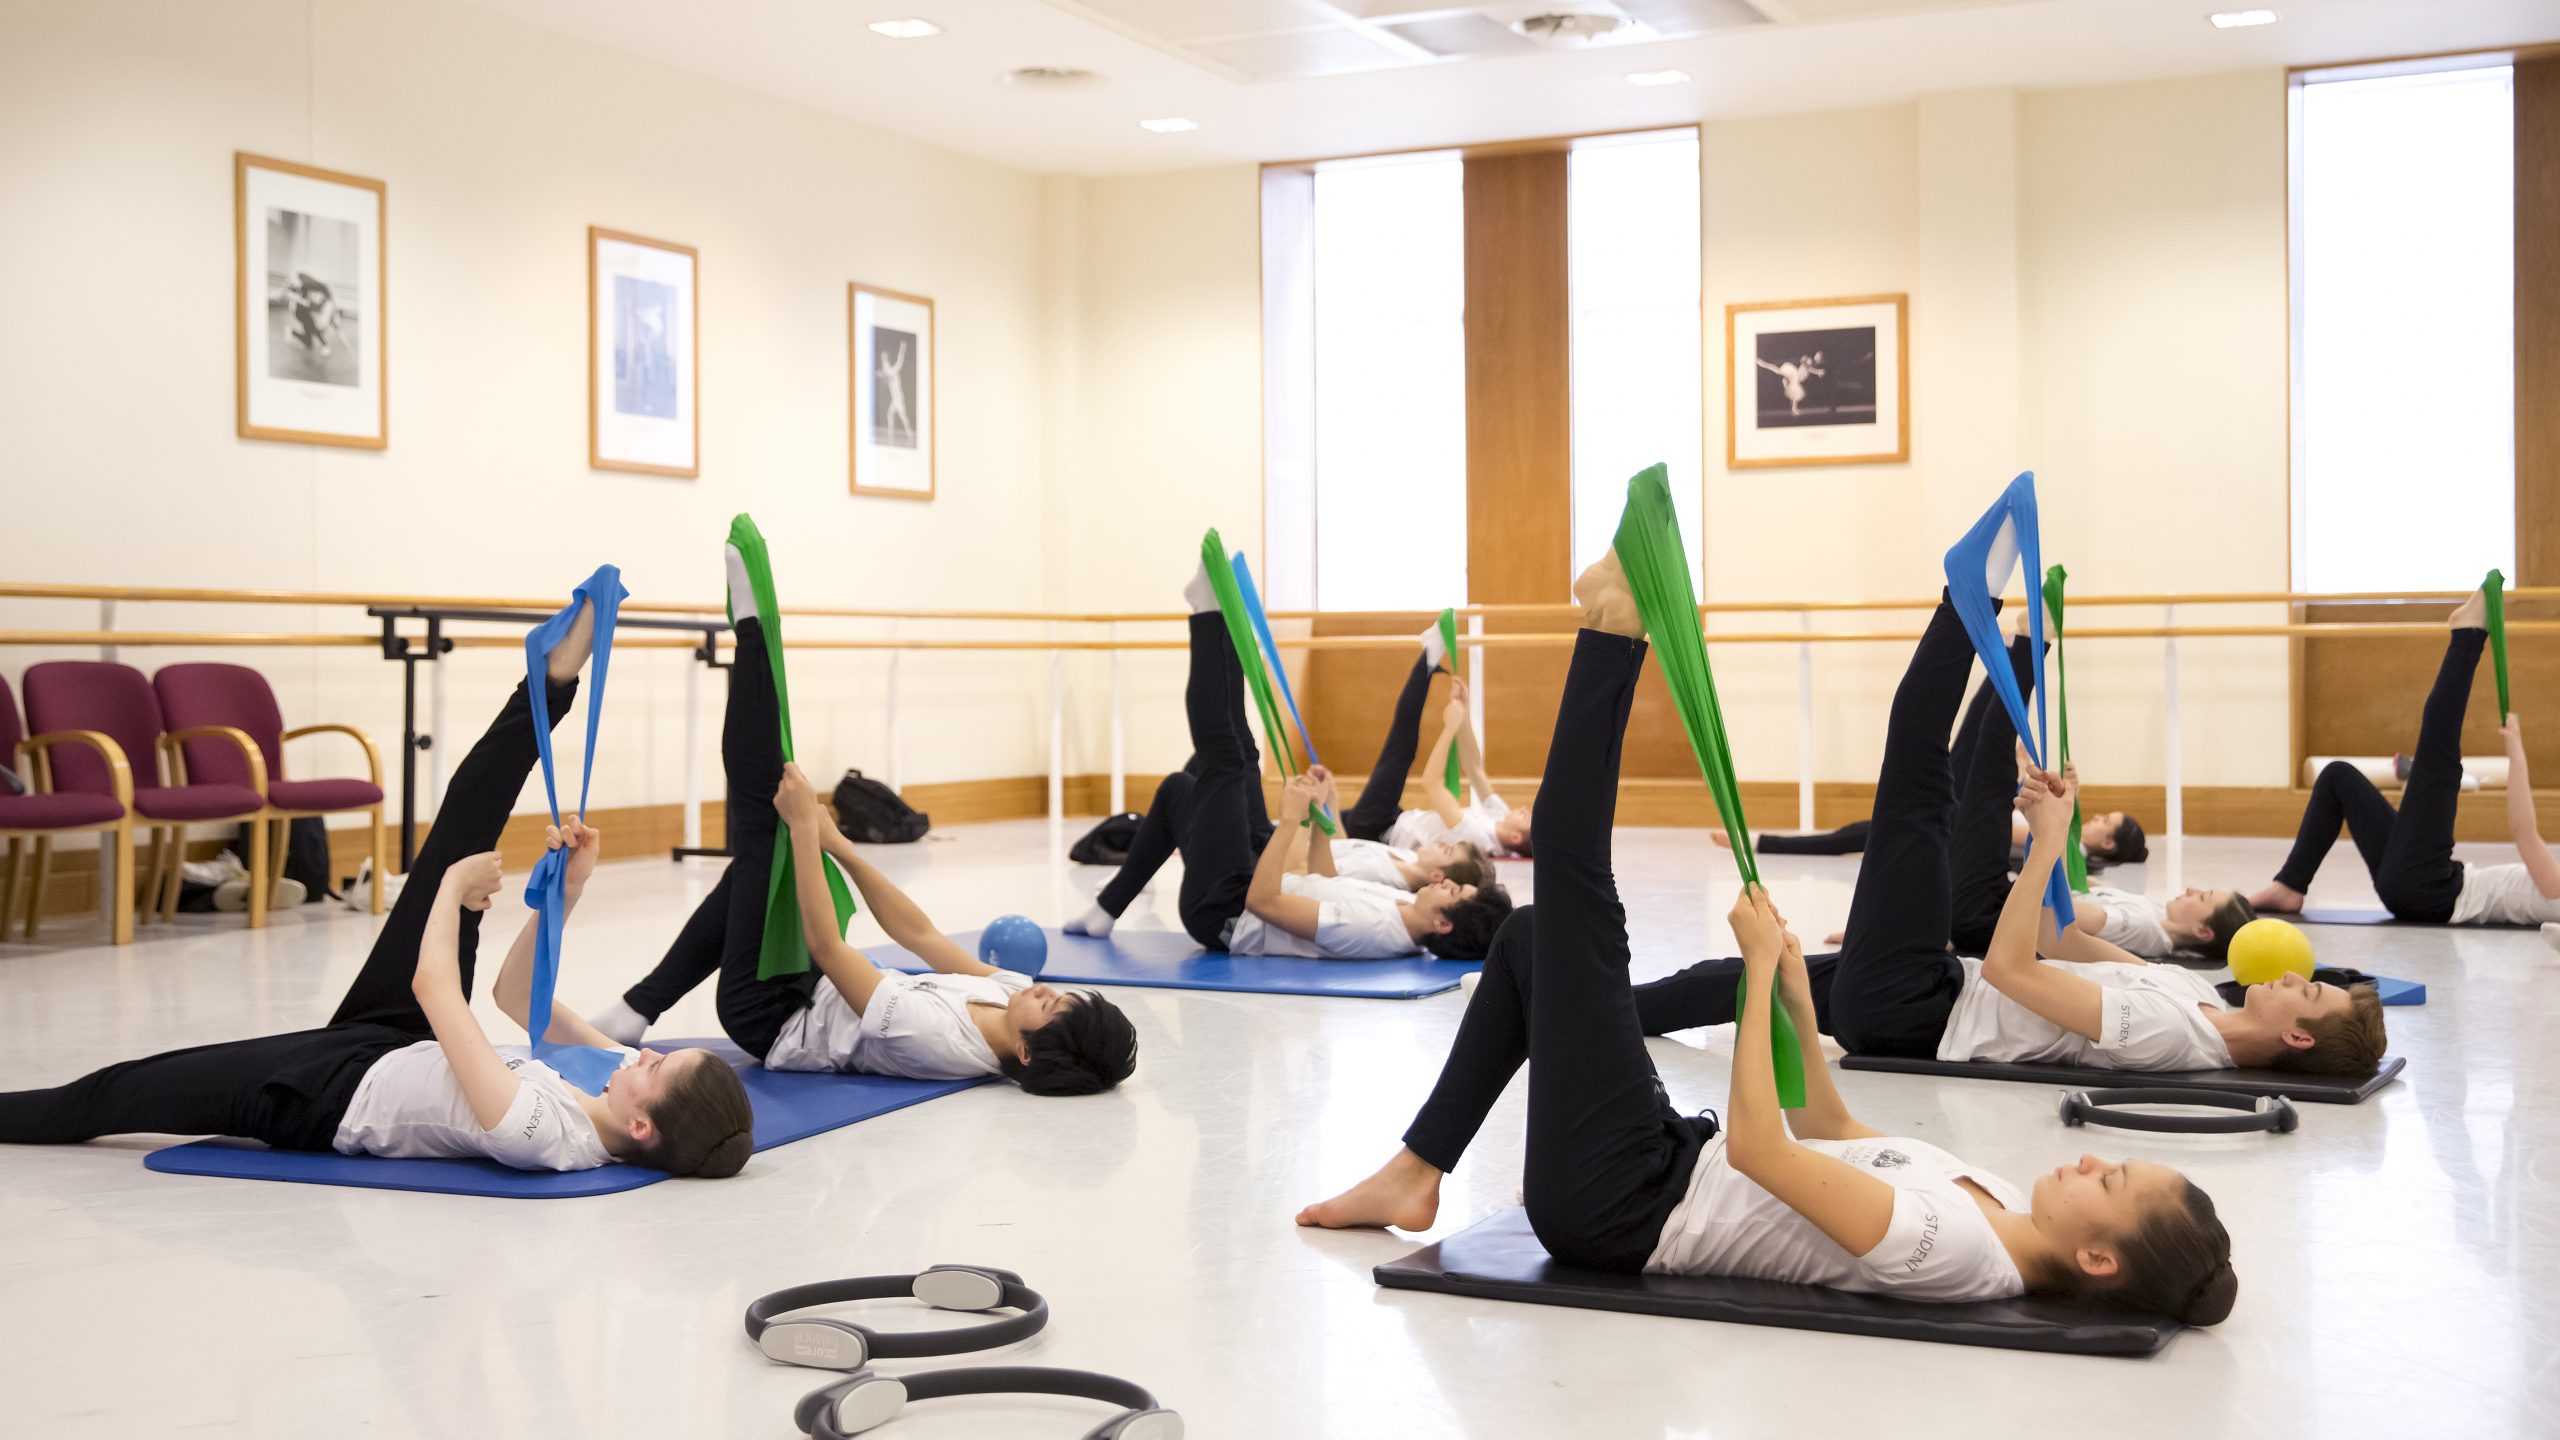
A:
[(899, 425)]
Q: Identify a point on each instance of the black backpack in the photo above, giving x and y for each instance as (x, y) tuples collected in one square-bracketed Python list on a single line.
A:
[(1107, 843), (872, 813)]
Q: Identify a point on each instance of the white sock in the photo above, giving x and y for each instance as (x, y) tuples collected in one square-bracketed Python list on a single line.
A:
[(1432, 649), (742, 595), (1202, 597), (2551, 933), (1096, 922), (620, 1023)]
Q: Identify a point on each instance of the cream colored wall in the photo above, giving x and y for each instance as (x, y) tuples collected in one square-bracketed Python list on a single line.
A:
[(500, 144)]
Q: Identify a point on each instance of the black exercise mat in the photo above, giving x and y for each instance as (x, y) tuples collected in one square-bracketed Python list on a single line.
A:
[(2292, 1084)]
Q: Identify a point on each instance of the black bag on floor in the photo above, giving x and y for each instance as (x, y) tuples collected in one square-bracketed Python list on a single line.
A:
[(1107, 843), (873, 814)]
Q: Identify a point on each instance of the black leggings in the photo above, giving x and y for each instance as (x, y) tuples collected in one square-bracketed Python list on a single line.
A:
[(1609, 1158), (725, 933), (291, 1090), (1381, 801), (2409, 853), (1208, 810)]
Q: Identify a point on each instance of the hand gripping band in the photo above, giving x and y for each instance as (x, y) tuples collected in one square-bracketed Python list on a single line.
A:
[(843, 1345), (2271, 1113), (866, 1401)]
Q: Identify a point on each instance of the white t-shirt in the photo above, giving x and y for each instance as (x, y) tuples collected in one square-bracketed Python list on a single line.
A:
[(410, 1106), (1355, 920), (2147, 1020), (2502, 895), (1370, 860), (918, 1026), (2136, 924), (1417, 828), (1939, 1246)]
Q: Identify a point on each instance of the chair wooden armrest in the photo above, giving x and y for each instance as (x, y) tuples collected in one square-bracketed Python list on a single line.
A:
[(172, 748), (39, 776), (372, 757)]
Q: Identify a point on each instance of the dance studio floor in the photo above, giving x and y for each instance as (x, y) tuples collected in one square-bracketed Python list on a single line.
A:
[(2399, 1260)]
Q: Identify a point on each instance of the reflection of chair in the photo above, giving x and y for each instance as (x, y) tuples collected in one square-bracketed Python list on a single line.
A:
[(117, 702), (43, 813), (234, 700)]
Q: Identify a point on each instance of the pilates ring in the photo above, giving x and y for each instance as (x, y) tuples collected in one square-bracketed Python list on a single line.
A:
[(2271, 1113), (867, 1400), (844, 1345)]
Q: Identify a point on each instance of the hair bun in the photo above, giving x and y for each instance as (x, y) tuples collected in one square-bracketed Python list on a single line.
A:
[(728, 1157), (2211, 1301)]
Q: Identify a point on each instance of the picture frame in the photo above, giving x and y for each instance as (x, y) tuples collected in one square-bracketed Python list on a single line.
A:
[(644, 355), (311, 362), (1817, 382), (892, 401)]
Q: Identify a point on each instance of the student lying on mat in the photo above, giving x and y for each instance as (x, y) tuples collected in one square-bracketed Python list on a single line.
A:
[(1270, 905), (1489, 824), (965, 1020), (402, 1068), (2410, 852), (1617, 1180), (1450, 857), (1896, 989)]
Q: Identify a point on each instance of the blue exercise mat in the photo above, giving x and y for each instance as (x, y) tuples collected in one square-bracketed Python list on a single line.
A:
[(1171, 960), (789, 1105), (2399, 992)]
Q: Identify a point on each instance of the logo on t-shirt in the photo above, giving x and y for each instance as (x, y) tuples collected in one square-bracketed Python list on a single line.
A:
[(1928, 1242), (1888, 1159), (541, 1107)]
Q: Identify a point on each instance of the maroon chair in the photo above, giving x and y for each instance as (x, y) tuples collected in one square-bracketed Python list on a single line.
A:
[(118, 703), (217, 700), (43, 812)]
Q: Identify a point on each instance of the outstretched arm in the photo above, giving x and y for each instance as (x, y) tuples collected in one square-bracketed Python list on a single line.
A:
[(2011, 967), (847, 968), (907, 925), (486, 1081), (1825, 1115), (2521, 823), (1470, 750), (2081, 945), (1267, 901), (514, 990), (1453, 719), (1320, 844)]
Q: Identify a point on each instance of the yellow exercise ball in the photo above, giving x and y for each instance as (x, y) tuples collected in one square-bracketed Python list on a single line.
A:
[(2266, 948)]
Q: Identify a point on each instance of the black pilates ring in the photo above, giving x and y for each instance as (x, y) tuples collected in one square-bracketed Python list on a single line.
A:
[(867, 1400), (827, 1344), (2271, 1113)]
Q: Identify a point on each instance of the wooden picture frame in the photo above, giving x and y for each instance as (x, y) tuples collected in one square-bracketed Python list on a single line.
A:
[(314, 369), (650, 335), (1836, 411), (893, 404)]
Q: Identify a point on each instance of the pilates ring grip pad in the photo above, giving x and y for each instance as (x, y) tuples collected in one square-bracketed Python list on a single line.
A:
[(843, 1345), (2271, 1113), (865, 1401)]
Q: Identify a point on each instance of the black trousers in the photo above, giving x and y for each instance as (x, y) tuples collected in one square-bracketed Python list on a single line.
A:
[(1381, 801), (725, 934), (1208, 810), (1849, 839), (291, 1090), (1609, 1158), (2409, 853)]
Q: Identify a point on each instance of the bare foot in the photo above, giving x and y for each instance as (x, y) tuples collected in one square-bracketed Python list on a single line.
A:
[(1607, 604), (1836, 938), (2277, 899), (1719, 839), (2471, 614), (570, 655), (1404, 1193)]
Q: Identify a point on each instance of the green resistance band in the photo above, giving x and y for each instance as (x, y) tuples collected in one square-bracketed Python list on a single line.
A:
[(786, 945), (2075, 865), (1449, 647), (2494, 588), (1257, 679), (1657, 569)]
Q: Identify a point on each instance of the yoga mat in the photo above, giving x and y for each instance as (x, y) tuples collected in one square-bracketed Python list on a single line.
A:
[(546, 890), (2292, 1084), (2493, 589), (1171, 960), (1500, 1259), (789, 1105), (2345, 916), (786, 945), (1978, 567), (1657, 568), (2075, 863)]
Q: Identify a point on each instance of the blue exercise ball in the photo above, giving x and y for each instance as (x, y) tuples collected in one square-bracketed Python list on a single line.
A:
[(1012, 942)]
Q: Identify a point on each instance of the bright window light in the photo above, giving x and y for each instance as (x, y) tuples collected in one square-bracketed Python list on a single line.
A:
[(2244, 19), (1659, 77), (1169, 125), (2405, 331), (1632, 239), (905, 29), (1390, 385)]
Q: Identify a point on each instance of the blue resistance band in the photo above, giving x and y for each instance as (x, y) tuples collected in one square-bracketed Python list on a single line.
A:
[(1262, 631), (1978, 568), (584, 1066)]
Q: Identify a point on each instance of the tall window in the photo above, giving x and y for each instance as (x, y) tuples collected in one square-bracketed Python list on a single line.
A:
[(1390, 384), (1632, 235), (2404, 336)]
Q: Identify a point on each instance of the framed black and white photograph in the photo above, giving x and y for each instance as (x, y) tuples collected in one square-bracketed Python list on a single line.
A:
[(891, 368), (309, 250), (643, 355), (1817, 382)]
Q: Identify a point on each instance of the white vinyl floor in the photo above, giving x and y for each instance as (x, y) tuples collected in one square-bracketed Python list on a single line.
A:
[(2399, 1260)]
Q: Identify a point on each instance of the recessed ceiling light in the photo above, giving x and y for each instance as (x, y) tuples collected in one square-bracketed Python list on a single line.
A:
[(1169, 125), (2243, 19), (1659, 77), (905, 29)]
